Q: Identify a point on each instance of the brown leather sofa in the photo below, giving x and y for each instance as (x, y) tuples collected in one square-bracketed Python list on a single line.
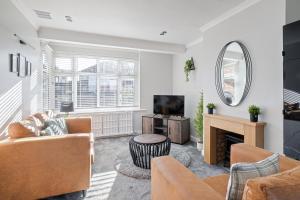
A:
[(170, 180), (39, 167)]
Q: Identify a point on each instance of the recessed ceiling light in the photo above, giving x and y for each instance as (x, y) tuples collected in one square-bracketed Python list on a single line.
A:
[(69, 18), (163, 33)]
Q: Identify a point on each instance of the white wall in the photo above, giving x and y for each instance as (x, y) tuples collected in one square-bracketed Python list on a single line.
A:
[(155, 79), (18, 96), (260, 28)]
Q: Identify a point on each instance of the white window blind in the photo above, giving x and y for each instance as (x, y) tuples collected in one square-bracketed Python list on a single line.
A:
[(63, 89), (63, 64), (126, 92), (87, 91), (47, 82), (108, 92), (92, 82)]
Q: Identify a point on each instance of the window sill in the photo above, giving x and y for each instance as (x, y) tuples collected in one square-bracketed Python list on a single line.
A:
[(108, 110)]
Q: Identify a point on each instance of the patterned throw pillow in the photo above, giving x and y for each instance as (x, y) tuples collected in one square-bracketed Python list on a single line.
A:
[(241, 172), (30, 125), (49, 131), (56, 126)]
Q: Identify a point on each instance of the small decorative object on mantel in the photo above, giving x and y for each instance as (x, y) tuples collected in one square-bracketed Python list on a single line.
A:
[(189, 66), (211, 108), (254, 111), (198, 123)]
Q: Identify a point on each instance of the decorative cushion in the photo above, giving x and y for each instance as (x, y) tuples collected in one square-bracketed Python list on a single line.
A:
[(37, 123), (285, 185), (25, 128), (42, 117), (51, 131), (241, 172), (56, 126)]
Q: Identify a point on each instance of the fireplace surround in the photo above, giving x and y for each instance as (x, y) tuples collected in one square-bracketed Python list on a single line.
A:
[(224, 140), (251, 132)]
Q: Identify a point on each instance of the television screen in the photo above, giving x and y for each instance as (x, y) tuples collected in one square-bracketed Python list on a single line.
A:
[(168, 105)]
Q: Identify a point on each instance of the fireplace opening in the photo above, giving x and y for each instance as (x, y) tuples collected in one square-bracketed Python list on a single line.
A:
[(224, 141)]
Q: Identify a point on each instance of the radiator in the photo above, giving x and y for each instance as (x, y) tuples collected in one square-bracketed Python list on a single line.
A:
[(110, 123)]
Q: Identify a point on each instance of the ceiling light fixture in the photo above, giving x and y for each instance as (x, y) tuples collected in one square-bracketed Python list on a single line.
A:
[(69, 18), (163, 33)]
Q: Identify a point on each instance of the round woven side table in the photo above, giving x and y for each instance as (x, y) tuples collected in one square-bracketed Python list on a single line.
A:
[(146, 146)]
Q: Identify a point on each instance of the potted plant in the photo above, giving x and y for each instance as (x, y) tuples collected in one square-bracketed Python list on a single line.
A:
[(188, 67), (211, 108), (198, 123), (254, 111)]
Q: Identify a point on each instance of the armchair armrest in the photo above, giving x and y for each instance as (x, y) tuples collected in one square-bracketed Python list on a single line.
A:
[(247, 153), (38, 167), (79, 125), (170, 180), (82, 125)]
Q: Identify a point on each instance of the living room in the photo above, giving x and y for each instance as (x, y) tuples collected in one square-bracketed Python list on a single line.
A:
[(149, 100)]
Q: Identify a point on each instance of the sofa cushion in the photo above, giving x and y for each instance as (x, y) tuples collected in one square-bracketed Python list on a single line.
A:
[(55, 126), (285, 185), (241, 172), (218, 183), (37, 122), (42, 117), (25, 128)]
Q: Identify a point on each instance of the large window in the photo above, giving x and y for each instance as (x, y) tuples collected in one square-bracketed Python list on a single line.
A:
[(96, 82)]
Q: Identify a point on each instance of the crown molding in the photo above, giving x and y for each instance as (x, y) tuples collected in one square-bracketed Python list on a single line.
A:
[(28, 14), (98, 40), (193, 43), (241, 7)]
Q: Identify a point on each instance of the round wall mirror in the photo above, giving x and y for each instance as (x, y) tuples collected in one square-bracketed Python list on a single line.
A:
[(233, 73)]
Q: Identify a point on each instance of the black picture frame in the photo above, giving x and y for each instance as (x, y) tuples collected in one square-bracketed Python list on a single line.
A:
[(21, 66), (28, 68), (13, 63)]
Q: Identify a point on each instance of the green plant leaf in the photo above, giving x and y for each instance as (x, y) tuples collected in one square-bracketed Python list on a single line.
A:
[(198, 121)]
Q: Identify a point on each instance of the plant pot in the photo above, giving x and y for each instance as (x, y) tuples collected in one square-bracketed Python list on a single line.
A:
[(210, 111), (253, 118), (200, 146)]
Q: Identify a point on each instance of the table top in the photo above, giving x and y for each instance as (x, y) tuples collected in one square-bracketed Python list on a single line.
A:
[(150, 138)]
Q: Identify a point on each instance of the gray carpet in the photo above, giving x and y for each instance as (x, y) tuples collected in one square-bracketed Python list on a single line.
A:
[(108, 184), (125, 166)]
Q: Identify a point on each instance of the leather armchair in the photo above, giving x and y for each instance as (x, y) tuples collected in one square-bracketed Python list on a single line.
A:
[(170, 180), (39, 167)]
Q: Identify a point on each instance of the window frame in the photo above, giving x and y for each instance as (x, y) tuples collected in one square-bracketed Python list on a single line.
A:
[(99, 75)]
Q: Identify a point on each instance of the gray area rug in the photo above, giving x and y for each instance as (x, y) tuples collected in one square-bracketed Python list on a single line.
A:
[(108, 184), (125, 166)]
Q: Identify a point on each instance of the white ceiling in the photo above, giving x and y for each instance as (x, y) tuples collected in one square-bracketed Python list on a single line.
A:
[(139, 19)]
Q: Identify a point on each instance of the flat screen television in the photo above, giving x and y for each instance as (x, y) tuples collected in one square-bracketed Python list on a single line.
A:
[(168, 105)]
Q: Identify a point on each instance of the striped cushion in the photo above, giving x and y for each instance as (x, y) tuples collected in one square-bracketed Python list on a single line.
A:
[(241, 172), (55, 126), (49, 131)]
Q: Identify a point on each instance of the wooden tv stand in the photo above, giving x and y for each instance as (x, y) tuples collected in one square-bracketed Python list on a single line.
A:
[(176, 128)]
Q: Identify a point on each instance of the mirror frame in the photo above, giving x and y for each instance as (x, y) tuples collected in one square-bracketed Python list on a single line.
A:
[(218, 74)]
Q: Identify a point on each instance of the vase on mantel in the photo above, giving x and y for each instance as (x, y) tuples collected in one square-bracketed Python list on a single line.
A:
[(253, 118)]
